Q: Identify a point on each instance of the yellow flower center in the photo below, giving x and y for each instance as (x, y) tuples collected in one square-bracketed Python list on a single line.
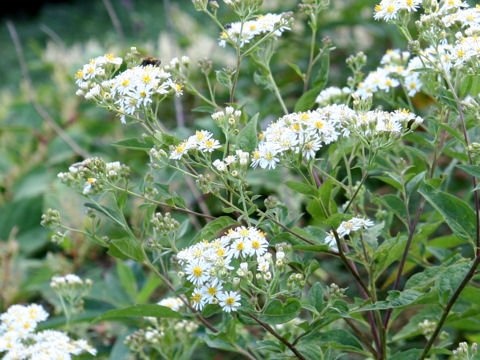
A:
[(125, 82), (197, 271), (319, 124), (91, 180), (244, 232), (230, 301), (255, 244), (79, 74), (390, 9), (196, 298), (240, 246)]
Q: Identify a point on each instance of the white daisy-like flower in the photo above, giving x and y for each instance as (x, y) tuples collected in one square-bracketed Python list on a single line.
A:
[(198, 272), (230, 301)]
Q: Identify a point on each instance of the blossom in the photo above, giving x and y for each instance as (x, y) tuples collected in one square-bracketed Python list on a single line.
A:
[(263, 24), (229, 301), (173, 303), (19, 340)]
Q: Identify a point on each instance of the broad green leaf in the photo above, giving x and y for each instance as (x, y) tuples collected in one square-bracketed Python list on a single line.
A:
[(302, 188), (247, 137), (448, 280), (296, 69), (223, 78), (126, 248), (337, 338), (390, 180), (127, 279), (411, 354), (214, 228), (307, 100), (315, 296), (473, 170), (322, 76), (136, 144), (456, 212), (140, 310), (277, 312), (312, 248), (395, 299)]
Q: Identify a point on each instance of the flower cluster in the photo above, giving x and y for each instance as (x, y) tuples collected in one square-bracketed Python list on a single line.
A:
[(395, 71), (264, 24), (96, 71), (210, 265), (92, 174), (135, 89), (299, 133), (332, 95), (346, 228), (390, 9), (130, 92), (202, 141), (18, 339)]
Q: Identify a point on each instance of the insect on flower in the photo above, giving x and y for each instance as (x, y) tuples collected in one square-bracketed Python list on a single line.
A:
[(148, 60)]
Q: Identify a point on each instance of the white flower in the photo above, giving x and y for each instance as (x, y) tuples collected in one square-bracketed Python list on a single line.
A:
[(220, 165), (229, 301), (212, 290), (198, 272), (173, 303), (198, 299)]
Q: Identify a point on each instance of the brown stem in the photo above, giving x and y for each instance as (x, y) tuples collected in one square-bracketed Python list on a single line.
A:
[(115, 20), (361, 335), (278, 336)]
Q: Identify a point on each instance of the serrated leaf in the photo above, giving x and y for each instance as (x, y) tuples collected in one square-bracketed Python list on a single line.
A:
[(473, 170)]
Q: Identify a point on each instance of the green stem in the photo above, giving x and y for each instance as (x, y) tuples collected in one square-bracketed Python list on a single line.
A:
[(277, 91)]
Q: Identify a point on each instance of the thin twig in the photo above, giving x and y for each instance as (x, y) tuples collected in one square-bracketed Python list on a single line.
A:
[(30, 93), (114, 18), (277, 335)]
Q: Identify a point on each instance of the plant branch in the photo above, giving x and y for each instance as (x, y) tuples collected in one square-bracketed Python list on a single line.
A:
[(278, 336)]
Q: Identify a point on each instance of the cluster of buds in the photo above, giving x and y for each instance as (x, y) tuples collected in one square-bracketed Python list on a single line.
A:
[(228, 118), (185, 327), (51, 219), (177, 65), (296, 281), (205, 184), (335, 292), (71, 288), (464, 352), (271, 202), (164, 223), (427, 327), (91, 175), (281, 258), (235, 165), (137, 340)]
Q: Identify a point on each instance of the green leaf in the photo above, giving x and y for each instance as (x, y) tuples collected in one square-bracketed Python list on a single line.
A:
[(140, 310), (302, 188), (135, 144), (337, 338), (312, 248), (411, 354), (247, 137), (127, 279), (277, 312), (459, 216), (322, 76), (307, 100), (296, 69), (390, 180), (473, 170), (126, 248), (214, 228), (395, 299), (449, 279), (223, 78), (315, 296)]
